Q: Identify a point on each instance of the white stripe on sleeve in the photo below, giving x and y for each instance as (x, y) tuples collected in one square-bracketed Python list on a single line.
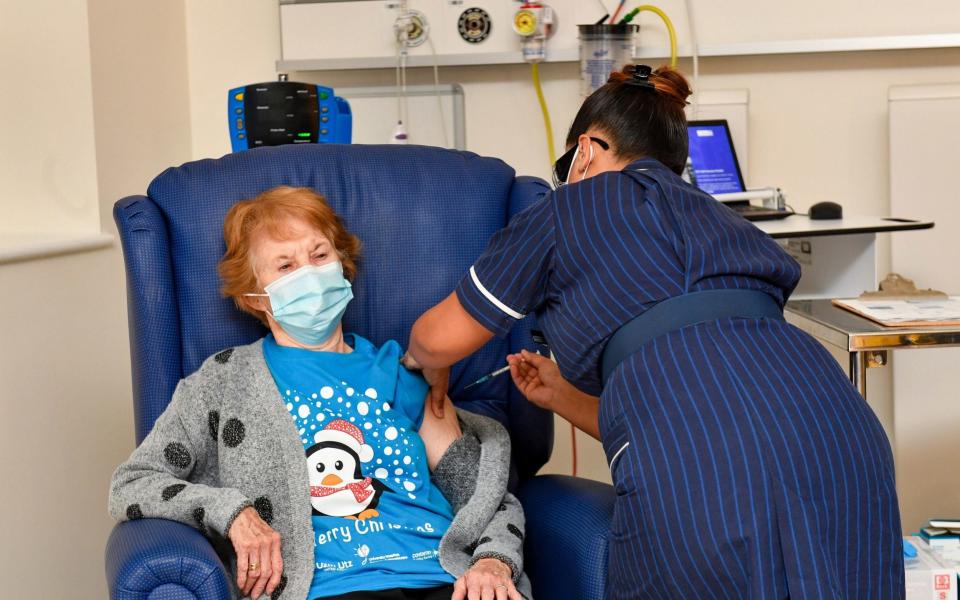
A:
[(493, 299)]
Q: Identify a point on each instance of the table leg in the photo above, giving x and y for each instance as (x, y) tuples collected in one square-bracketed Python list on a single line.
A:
[(858, 372)]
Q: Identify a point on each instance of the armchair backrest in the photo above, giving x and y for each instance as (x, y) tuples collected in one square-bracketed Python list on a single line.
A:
[(422, 214)]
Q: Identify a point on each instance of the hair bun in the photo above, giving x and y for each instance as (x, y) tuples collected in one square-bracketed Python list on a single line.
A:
[(666, 80), (640, 77), (672, 83)]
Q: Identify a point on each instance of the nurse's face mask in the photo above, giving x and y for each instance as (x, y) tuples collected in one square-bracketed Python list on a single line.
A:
[(309, 303), (563, 168)]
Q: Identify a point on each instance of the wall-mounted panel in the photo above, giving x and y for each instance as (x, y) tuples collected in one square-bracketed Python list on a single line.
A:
[(359, 33)]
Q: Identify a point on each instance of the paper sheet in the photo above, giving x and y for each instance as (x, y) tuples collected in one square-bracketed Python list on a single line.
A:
[(904, 313)]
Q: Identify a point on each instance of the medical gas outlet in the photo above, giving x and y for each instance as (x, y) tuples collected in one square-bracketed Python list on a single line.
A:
[(534, 23), (411, 28), (474, 25)]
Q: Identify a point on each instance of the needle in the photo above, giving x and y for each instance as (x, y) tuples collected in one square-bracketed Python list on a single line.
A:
[(489, 376)]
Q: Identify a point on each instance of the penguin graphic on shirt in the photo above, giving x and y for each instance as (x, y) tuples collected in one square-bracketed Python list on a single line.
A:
[(337, 485)]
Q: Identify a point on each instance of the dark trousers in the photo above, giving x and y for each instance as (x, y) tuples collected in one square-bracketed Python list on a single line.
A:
[(438, 593)]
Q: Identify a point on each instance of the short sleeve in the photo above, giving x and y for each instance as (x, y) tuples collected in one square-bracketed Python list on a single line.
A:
[(411, 396), (410, 393), (510, 278)]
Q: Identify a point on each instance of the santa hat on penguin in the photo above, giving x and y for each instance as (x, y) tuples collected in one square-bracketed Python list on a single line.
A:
[(349, 435)]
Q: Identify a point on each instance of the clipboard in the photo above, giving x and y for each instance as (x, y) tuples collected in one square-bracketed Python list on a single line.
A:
[(920, 312)]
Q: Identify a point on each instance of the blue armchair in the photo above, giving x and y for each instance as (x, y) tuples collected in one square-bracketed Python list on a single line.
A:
[(423, 215)]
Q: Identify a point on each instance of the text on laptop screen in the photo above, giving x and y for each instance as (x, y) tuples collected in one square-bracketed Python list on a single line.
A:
[(713, 159)]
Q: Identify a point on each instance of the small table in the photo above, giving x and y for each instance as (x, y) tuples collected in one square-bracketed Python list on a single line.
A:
[(838, 257), (865, 342)]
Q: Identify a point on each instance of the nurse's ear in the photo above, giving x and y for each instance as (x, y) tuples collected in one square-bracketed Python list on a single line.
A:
[(585, 155)]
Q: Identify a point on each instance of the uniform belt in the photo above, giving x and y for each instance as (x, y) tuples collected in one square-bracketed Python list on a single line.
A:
[(682, 311)]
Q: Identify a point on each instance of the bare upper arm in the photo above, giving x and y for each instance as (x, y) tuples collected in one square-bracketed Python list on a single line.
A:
[(437, 433)]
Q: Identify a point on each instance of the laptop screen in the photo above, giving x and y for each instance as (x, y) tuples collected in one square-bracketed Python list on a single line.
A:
[(713, 159)]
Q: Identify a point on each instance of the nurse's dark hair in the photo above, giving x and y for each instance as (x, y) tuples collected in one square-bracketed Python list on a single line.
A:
[(639, 122)]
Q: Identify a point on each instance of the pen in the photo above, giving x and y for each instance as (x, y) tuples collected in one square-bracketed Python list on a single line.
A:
[(489, 376)]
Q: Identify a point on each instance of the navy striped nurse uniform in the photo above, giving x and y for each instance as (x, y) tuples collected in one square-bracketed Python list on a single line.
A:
[(745, 463)]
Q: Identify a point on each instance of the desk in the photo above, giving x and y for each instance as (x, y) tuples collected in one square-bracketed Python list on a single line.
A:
[(865, 342), (803, 226), (837, 256)]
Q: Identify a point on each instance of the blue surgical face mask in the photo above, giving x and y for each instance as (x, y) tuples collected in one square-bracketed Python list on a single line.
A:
[(309, 303)]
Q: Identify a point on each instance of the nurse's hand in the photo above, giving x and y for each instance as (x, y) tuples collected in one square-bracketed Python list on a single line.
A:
[(437, 379), (538, 378), (487, 579), (439, 382)]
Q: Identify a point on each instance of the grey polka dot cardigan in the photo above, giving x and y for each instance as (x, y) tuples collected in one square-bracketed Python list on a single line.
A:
[(226, 442)]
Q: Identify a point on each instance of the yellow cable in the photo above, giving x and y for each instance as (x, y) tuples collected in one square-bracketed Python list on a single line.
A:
[(670, 30), (535, 72)]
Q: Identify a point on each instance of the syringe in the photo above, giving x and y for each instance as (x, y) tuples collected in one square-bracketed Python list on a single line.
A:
[(489, 376)]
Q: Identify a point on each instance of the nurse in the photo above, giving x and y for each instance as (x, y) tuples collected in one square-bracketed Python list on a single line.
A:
[(745, 464)]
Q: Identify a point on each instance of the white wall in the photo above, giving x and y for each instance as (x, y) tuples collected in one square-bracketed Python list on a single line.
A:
[(65, 413), (229, 43), (924, 125), (48, 178)]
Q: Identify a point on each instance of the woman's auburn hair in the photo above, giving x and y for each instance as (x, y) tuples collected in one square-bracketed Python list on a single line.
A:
[(270, 213)]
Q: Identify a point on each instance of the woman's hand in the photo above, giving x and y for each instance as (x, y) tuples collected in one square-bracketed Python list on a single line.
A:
[(538, 378), (259, 563), (487, 579), (437, 379)]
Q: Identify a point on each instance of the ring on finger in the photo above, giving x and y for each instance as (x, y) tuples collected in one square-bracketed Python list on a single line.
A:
[(253, 567)]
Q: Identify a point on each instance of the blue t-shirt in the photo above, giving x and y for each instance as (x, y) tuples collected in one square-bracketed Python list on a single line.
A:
[(377, 519)]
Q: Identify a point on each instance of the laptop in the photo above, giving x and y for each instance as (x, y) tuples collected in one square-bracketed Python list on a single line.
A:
[(714, 168)]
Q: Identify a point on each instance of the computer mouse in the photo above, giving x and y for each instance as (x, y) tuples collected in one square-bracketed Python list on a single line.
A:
[(825, 210)]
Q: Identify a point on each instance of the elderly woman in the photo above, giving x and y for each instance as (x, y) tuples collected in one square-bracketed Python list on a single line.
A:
[(310, 449)]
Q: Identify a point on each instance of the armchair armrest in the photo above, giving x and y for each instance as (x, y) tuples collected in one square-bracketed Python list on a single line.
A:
[(152, 558), (568, 525)]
